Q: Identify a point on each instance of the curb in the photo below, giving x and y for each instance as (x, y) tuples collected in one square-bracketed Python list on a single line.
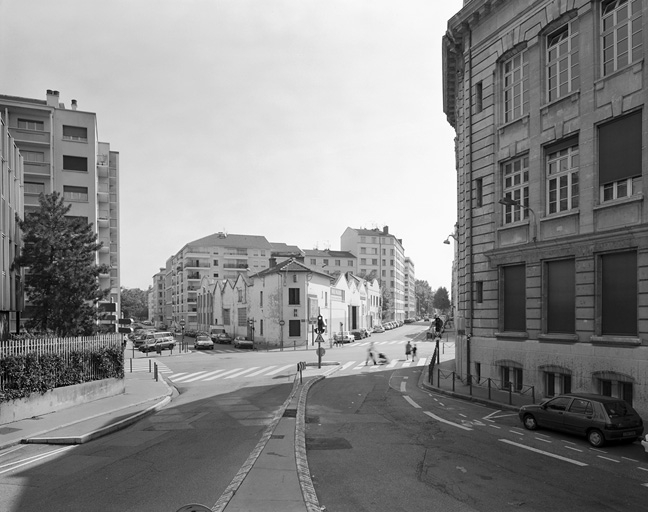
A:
[(109, 429)]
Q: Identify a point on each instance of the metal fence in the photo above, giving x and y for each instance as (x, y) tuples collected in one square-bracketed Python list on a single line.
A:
[(66, 349)]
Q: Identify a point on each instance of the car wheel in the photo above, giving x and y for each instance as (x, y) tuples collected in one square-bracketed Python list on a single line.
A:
[(595, 438), (530, 422)]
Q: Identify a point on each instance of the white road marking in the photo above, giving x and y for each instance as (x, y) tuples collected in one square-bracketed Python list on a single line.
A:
[(267, 368), (542, 452), (274, 372), (188, 376), (403, 387), (222, 374), (575, 449), (243, 372), (412, 402), (446, 421), (29, 460), (607, 458)]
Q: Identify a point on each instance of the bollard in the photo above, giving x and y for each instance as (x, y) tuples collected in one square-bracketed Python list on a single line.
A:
[(149, 365), (131, 365), (156, 372)]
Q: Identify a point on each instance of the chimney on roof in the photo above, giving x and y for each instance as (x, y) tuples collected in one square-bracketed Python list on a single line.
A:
[(74, 105), (386, 230), (52, 98)]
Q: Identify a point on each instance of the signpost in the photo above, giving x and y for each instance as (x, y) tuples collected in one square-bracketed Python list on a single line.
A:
[(320, 329)]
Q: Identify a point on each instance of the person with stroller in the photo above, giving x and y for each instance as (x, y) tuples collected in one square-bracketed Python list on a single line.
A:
[(370, 354), (438, 326)]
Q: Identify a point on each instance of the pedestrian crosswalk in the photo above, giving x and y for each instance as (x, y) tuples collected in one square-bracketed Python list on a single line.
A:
[(145, 365)]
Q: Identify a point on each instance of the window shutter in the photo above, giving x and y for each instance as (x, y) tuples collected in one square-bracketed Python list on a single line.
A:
[(620, 149)]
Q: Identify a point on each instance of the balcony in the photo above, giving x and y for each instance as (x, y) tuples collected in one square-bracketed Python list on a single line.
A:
[(193, 275), (38, 136), (38, 168), (103, 197), (240, 266)]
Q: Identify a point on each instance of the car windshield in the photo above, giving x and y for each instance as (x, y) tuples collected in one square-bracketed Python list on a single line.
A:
[(617, 409)]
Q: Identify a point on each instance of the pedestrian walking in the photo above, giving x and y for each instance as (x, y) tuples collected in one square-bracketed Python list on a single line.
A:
[(370, 354), (414, 352), (408, 350)]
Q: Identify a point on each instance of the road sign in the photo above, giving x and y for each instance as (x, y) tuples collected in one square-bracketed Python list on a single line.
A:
[(125, 330), (182, 322), (319, 339), (125, 321), (321, 351)]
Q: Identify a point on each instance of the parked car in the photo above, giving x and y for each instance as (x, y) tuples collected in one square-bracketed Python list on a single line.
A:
[(343, 337), (409, 320), (359, 334), (599, 418), (242, 342), (644, 443), (378, 328), (157, 341), (223, 337), (203, 341)]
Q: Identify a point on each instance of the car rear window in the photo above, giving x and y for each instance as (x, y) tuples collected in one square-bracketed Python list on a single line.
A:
[(618, 409)]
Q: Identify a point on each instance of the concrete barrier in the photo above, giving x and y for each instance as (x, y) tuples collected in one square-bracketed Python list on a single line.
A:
[(58, 399)]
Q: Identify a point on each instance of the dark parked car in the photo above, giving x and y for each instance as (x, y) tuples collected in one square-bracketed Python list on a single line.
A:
[(359, 334), (223, 337), (242, 342), (597, 417)]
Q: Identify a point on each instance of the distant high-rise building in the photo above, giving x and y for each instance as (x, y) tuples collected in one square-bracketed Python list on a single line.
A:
[(381, 256), (62, 153)]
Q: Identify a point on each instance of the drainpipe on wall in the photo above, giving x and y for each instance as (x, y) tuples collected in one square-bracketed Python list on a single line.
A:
[(470, 211)]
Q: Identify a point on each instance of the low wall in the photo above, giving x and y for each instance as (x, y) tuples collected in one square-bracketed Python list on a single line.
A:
[(59, 399)]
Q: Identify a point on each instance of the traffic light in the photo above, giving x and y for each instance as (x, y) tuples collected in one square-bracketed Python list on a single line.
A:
[(321, 326)]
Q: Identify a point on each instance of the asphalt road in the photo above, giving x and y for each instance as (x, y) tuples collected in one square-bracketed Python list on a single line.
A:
[(376, 442)]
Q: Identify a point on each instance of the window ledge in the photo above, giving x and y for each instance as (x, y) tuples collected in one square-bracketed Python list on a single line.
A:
[(559, 215), (553, 338), (636, 198), (523, 119), (512, 335), (572, 96), (616, 340)]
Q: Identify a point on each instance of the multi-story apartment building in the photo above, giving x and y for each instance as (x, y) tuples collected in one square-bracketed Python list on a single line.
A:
[(410, 288), (331, 261), (156, 300), (548, 100), (62, 153), (380, 255), (11, 210), (219, 256)]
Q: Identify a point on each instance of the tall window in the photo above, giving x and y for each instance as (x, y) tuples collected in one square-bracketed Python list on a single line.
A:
[(562, 61), (618, 281), (516, 187), (516, 86), (479, 97), (621, 34), (479, 192), (560, 296), (620, 157), (294, 327), (293, 296), (562, 176), (513, 282), (75, 193)]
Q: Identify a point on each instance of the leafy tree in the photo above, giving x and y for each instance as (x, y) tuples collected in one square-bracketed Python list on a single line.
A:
[(441, 299), (134, 303), (424, 297), (386, 300), (61, 282)]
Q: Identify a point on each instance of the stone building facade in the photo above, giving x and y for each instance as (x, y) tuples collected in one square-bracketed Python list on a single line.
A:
[(547, 98)]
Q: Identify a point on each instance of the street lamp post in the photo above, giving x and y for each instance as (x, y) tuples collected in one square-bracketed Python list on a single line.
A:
[(509, 201)]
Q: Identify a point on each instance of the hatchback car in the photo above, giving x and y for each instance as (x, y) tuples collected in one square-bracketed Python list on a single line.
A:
[(597, 417), (378, 328), (359, 334), (203, 341), (223, 337), (242, 342), (343, 337)]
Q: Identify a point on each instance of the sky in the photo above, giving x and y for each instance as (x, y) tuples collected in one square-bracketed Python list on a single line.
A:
[(289, 119)]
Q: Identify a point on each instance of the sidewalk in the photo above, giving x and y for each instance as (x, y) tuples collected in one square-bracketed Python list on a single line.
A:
[(82, 423)]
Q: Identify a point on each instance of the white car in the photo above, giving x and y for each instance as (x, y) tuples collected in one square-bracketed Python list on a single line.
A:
[(203, 341), (343, 337), (644, 443)]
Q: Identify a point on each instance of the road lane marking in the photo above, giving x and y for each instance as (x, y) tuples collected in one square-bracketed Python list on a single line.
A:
[(412, 402), (608, 458), (274, 372), (200, 377), (188, 376), (222, 374), (446, 421), (403, 386), (267, 368), (574, 449), (32, 459), (542, 452), (242, 372)]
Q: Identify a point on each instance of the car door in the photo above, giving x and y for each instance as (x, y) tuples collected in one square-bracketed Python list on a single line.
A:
[(553, 413), (579, 417)]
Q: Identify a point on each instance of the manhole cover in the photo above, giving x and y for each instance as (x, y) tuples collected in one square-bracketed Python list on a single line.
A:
[(327, 443), (290, 413)]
